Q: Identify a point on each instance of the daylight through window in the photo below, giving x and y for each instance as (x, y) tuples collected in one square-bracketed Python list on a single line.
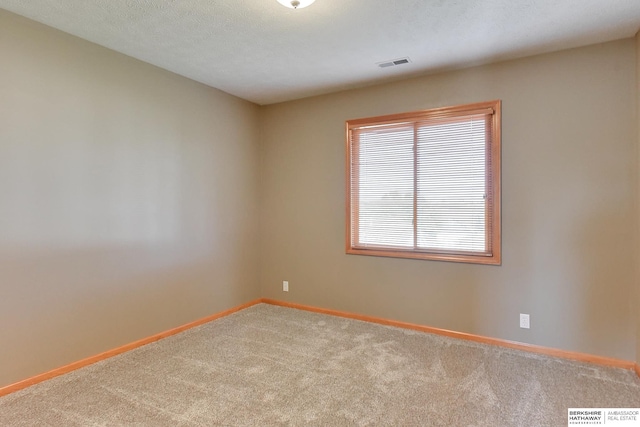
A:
[(426, 184)]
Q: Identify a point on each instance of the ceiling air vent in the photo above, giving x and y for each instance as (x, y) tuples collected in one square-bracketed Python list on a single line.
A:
[(393, 62)]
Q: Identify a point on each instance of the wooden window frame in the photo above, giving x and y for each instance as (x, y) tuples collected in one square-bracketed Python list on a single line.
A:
[(492, 184)]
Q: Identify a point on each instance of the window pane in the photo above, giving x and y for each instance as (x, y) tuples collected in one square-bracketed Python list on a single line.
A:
[(385, 214), (451, 186), (426, 184)]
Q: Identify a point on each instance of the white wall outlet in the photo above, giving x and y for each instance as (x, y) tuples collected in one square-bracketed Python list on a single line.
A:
[(524, 321), (285, 286)]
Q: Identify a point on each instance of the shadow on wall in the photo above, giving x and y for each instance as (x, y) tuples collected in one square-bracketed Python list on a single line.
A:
[(106, 242)]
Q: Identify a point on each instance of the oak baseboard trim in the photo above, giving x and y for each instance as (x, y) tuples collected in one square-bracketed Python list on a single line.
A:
[(581, 357), (547, 351), (11, 388)]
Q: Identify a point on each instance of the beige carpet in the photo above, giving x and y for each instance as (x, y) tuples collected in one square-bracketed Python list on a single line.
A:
[(273, 366)]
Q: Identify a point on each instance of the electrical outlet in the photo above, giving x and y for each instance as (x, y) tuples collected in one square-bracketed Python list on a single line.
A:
[(285, 286), (524, 321)]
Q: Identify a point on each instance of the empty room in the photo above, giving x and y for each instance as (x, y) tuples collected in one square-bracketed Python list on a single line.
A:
[(323, 213)]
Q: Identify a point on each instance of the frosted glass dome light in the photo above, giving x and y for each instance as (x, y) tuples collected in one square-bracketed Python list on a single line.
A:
[(295, 4)]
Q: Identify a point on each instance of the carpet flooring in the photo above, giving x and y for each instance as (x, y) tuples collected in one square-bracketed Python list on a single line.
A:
[(274, 366)]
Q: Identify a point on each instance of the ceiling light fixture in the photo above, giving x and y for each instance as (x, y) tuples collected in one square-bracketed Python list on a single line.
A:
[(295, 4)]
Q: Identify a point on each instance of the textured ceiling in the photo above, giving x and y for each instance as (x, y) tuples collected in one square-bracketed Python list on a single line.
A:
[(266, 53)]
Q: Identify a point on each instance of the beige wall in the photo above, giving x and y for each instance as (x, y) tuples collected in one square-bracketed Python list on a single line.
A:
[(128, 199), (569, 205), (636, 308)]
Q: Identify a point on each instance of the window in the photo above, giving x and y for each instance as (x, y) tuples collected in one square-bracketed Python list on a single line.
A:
[(426, 184)]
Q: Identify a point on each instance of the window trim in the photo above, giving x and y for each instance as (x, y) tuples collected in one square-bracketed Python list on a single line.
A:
[(494, 151)]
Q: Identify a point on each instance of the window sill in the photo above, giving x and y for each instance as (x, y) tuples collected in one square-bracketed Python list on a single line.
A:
[(470, 259)]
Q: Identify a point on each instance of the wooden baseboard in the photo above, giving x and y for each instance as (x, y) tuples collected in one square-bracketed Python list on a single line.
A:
[(114, 352), (599, 360), (581, 357)]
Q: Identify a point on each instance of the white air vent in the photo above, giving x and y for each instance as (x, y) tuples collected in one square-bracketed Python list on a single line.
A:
[(394, 62)]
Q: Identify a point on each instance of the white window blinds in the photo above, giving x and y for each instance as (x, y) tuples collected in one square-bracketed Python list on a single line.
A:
[(425, 183)]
